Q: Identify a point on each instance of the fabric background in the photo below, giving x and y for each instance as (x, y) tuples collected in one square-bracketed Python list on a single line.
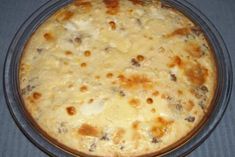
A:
[(13, 143)]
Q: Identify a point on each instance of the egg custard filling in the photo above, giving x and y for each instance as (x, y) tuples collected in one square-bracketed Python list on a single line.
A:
[(117, 77)]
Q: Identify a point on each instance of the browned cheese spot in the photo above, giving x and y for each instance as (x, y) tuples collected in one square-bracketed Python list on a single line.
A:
[(135, 81), (112, 24), (88, 130), (112, 6), (194, 50), (158, 132), (134, 102), (176, 61), (189, 105), (135, 125), (140, 58), (68, 53), (91, 101), (163, 121), (66, 15), (109, 75), (83, 88), (118, 135), (83, 65), (71, 110), (30, 99), (48, 36), (149, 100), (36, 95), (180, 92), (160, 127), (155, 93), (197, 74), (83, 4), (179, 32), (137, 2), (185, 31), (87, 53)]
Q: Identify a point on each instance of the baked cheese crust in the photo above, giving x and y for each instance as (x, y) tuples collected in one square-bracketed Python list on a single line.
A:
[(117, 77)]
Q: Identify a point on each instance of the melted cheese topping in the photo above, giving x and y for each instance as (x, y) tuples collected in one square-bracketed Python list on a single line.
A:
[(117, 77)]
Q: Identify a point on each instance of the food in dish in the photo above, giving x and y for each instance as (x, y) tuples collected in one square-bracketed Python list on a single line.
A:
[(117, 77)]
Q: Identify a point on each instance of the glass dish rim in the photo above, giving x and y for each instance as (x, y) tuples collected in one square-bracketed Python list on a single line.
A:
[(16, 48)]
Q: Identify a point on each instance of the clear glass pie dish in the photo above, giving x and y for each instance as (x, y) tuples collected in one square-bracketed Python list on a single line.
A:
[(181, 148)]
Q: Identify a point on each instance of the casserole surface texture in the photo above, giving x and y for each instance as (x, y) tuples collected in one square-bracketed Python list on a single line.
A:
[(117, 77)]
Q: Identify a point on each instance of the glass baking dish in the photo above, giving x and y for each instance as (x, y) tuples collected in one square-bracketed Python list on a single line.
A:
[(181, 148)]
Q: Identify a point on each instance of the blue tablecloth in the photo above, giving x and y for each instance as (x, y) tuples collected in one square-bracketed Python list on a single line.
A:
[(13, 143)]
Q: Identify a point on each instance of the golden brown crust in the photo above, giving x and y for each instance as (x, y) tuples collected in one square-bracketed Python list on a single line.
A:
[(112, 6), (88, 130)]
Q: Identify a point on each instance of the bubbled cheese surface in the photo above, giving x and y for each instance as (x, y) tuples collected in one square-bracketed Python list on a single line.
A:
[(117, 77)]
